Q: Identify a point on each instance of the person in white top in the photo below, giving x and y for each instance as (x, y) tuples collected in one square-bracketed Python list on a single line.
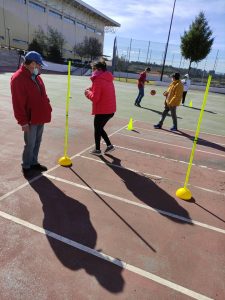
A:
[(186, 83)]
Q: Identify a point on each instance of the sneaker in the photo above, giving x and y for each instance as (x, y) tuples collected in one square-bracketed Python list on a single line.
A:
[(39, 167), (138, 105), (110, 148), (157, 126), (96, 152), (173, 128)]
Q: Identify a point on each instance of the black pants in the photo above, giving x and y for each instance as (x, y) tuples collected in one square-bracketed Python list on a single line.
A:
[(184, 96), (99, 123), (173, 114)]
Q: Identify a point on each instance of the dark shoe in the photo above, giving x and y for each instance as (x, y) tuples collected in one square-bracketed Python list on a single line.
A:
[(138, 105), (96, 152), (135, 104), (110, 148), (157, 126), (39, 167), (26, 172), (173, 128)]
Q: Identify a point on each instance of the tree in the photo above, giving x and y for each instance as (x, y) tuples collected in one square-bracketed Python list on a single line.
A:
[(56, 42), (79, 50), (90, 47), (36, 46), (197, 42), (93, 47), (39, 42)]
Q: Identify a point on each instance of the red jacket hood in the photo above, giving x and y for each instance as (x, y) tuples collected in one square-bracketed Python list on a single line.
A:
[(105, 75)]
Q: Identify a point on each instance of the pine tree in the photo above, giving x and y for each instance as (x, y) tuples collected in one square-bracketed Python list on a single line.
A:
[(197, 42)]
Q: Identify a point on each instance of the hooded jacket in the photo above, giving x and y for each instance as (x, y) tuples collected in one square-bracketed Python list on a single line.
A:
[(31, 104), (102, 93), (174, 93)]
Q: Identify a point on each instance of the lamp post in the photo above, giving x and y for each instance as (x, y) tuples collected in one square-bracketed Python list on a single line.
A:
[(8, 29), (167, 43)]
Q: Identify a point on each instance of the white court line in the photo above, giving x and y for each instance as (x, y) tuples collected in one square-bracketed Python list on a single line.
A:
[(167, 158), (172, 145), (122, 199), (153, 175), (120, 263), (52, 169)]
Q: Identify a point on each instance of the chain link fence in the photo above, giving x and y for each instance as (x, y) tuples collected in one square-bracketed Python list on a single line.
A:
[(131, 56)]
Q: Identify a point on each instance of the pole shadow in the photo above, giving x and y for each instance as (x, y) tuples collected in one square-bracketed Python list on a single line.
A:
[(205, 110), (114, 211), (70, 219), (149, 192)]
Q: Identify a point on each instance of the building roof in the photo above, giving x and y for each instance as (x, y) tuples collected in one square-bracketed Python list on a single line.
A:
[(94, 12)]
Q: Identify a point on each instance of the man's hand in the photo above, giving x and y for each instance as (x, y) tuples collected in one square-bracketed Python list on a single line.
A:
[(25, 128)]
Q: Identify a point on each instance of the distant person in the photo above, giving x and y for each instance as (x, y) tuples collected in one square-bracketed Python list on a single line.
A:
[(31, 107), (103, 97), (173, 98), (141, 86), (186, 84)]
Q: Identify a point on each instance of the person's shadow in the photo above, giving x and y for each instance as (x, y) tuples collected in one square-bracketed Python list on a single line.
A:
[(148, 192), (158, 112), (68, 218)]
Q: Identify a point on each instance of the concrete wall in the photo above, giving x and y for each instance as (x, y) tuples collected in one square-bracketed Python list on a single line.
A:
[(20, 18)]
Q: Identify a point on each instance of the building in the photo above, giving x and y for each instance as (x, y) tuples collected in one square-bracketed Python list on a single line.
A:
[(73, 18)]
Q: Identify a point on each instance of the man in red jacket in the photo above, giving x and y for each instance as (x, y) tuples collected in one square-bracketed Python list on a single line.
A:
[(141, 86), (31, 107)]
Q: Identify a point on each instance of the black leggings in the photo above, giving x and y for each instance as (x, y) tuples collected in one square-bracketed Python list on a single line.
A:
[(99, 123)]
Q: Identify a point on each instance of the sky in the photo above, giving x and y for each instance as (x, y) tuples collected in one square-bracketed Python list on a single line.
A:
[(150, 19)]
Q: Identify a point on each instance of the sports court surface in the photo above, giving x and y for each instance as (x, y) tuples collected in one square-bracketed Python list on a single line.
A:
[(111, 227)]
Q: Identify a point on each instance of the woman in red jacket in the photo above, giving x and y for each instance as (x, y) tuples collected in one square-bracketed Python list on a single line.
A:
[(103, 97)]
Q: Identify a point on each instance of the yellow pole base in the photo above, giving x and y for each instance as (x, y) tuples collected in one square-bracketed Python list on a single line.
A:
[(184, 193), (65, 161)]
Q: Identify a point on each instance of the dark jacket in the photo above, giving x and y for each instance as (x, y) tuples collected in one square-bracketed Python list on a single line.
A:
[(30, 101)]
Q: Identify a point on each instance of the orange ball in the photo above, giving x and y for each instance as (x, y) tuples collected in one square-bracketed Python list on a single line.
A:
[(153, 92)]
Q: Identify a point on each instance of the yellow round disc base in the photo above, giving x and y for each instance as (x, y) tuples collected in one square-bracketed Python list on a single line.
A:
[(184, 194), (65, 161)]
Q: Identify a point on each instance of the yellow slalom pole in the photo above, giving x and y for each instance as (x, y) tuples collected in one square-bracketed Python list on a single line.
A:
[(184, 193), (65, 161)]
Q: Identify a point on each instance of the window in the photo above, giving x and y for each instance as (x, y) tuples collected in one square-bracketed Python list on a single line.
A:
[(90, 29), (22, 1), (81, 25), (98, 32), (2, 37), (55, 14), (67, 51), (68, 20), (20, 41), (37, 6)]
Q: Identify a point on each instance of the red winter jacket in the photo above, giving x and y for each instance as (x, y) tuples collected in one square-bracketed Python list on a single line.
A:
[(142, 79), (102, 93), (30, 101)]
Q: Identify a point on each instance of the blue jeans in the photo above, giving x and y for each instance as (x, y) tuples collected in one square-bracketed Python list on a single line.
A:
[(140, 95), (32, 140)]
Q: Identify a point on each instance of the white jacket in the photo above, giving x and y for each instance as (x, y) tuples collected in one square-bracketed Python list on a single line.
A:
[(186, 83)]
